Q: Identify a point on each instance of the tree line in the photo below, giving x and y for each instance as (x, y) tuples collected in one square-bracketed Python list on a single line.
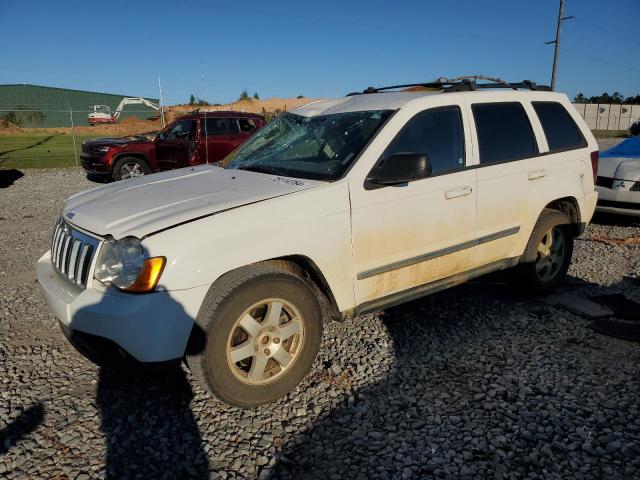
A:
[(616, 97)]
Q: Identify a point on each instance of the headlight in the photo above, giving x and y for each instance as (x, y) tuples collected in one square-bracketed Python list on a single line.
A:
[(123, 264), (103, 149)]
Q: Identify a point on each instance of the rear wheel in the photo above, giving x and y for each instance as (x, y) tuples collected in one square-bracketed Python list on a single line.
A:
[(548, 253), (261, 328), (130, 167)]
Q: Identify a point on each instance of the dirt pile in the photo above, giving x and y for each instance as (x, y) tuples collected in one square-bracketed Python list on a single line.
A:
[(8, 128), (251, 105)]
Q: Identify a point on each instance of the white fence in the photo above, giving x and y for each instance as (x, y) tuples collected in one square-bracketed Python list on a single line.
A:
[(608, 116)]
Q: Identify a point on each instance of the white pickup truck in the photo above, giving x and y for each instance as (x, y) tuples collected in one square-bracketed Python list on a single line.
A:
[(336, 208)]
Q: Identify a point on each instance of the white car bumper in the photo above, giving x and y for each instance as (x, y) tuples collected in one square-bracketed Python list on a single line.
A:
[(150, 328), (619, 199)]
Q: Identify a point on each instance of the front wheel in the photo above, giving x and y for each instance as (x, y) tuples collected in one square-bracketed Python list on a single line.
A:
[(261, 329), (130, 167), (548, 254)]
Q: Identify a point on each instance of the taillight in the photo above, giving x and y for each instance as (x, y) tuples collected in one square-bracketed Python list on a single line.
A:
[(594, 163)]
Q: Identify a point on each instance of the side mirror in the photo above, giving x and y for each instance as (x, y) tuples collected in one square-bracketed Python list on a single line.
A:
[(160, 136), (400, 168)]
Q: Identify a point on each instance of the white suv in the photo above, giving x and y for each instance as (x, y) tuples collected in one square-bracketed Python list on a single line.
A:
[(337, 208)]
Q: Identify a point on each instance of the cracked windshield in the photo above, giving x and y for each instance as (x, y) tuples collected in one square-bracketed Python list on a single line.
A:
[(320, 147)]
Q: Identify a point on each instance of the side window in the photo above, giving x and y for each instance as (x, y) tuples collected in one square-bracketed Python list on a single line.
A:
[(182, 129), (504, 132), (438, 133), (218, 126), (561, 131), (247, 124)]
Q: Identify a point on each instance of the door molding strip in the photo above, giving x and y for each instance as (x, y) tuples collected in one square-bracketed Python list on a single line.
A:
[(433, 287), (438, 253)]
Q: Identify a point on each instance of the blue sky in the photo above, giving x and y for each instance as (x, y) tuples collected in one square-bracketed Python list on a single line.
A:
[(312, 48)]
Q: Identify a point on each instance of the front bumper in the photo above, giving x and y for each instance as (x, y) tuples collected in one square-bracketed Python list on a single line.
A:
[(618, 200), (92, 164), (152, 327)]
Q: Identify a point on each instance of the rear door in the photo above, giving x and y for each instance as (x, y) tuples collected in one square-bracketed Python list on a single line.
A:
[(567, 151), (175, 147), (218, 138), (510, 173)]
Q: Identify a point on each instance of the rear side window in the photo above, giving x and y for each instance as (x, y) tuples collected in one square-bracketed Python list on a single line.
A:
[(504, 132), (437, 133), (561, 131), (218, 126)]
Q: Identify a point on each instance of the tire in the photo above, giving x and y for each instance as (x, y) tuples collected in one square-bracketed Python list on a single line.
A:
[(129, 167), (548, 254), (243, 361)]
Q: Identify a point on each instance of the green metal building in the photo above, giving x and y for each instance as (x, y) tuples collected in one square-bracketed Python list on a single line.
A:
[(39, 106)]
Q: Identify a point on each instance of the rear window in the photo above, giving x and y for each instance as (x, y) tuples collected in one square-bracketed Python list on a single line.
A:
[(561, 131), (504, 132)]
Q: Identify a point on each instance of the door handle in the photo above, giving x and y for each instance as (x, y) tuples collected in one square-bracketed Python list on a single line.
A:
[(534, 174), (458, 192)]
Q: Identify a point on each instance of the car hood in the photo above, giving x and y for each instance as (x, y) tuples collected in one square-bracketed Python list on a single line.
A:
[(619, 167), (101, 142), (144, 205)]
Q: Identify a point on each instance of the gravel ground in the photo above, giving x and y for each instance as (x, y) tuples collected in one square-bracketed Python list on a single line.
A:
[(478, 381)]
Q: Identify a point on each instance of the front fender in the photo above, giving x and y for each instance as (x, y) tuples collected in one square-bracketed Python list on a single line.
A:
[(313, 223)]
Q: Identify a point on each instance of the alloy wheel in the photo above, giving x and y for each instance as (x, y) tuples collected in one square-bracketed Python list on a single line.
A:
[(550, 254), (130, 170), (265, 341)]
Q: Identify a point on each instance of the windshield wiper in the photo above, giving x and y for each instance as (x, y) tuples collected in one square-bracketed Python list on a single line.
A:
[(259, 169)]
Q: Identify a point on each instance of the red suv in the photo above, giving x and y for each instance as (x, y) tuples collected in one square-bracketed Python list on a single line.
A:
[(196, 138)]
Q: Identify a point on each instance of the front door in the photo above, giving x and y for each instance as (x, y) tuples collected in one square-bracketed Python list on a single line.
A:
[(409, 235), (175, 147)]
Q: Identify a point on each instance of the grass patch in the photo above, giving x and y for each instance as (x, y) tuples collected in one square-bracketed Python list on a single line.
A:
[(610, 133), (49, 150)]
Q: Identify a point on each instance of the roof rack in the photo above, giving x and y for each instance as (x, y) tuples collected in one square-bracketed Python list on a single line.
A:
[(462, 84)]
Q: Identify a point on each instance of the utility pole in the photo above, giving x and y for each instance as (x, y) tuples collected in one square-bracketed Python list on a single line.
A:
[(556, 49), (161, 106)]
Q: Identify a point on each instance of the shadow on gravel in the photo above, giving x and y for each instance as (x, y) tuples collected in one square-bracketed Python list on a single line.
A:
[(614, 220), (22, 426), (512, 389), (9, 176), (149, 428), (146, 417)]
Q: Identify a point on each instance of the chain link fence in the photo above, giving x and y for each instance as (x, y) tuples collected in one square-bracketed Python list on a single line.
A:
[(45, 126), (26, 141)]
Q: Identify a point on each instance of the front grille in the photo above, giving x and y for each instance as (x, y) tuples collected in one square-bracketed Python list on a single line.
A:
[(606, 182), (635, 187), (93, 150), (72, 253)]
